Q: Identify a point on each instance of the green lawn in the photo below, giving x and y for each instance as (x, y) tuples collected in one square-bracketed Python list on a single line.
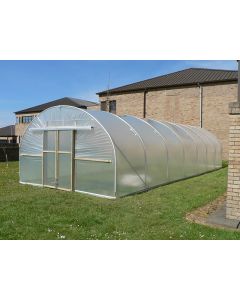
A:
[(28, 212)]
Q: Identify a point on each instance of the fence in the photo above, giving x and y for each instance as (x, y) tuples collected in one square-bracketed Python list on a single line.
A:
[(9, 152)]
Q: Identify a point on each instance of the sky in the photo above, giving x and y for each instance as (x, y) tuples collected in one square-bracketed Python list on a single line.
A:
[(28, 83)]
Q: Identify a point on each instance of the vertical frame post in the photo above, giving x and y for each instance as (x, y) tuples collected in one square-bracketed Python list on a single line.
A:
[(43, 158), (56, 158), (73, 161)]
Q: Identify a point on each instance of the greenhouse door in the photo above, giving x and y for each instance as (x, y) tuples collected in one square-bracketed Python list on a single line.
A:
[(57, 159)]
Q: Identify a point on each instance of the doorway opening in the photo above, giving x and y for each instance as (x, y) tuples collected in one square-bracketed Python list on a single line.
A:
[(58, 148)]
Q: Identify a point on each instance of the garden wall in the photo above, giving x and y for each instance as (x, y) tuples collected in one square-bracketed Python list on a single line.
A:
[(11, 150)]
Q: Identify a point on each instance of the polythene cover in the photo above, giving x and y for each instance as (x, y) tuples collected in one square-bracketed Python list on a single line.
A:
[(218, 148), (112, 156), (201, 151), (190, 167), (213, 148), (30, 169), (130, 154), (175, 150), (92, 144), (155, 150)]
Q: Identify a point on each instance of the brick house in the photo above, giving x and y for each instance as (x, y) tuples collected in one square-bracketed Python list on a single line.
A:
[(7, 135), (25, 116), (194, 96)]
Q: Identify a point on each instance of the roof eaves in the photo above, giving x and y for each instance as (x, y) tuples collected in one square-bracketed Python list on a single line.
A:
[(26, 111), (113, 91)]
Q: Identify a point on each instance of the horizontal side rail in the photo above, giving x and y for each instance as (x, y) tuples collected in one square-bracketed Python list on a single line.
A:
[(33, 155), (93, 159)]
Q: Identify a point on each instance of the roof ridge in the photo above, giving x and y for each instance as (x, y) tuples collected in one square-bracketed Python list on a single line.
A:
[(207, 69)]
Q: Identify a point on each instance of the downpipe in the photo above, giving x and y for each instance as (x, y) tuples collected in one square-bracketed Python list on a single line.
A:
[(145, 104), (200, 105)]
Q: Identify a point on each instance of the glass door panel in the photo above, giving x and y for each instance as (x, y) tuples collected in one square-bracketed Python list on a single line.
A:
[(49, 158), (49, 141), (65, 171), (49, 169), (65, 141)]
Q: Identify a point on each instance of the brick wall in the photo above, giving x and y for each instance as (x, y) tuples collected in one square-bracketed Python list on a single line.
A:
[(233, 192), (182, 105), (129, 103), (216, 99), (174, 105)]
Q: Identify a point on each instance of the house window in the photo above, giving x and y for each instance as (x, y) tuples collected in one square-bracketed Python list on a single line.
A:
[(27, 119), (19, 120), (104, 105), (112, 106)]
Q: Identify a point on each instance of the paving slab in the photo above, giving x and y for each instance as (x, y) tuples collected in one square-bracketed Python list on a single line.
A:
[(218, 217), (214, 215)]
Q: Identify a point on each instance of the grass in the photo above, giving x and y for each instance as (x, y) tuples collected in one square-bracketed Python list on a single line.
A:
[(28, 212)]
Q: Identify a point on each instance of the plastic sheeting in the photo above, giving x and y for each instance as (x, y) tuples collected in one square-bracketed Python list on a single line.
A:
[(112, 156)]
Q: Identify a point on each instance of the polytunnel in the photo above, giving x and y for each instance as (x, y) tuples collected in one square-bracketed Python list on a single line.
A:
[(102, 154)]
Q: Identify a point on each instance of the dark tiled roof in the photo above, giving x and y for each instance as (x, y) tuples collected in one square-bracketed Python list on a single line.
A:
[(185, 77), (7, 131), (63, 101)]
